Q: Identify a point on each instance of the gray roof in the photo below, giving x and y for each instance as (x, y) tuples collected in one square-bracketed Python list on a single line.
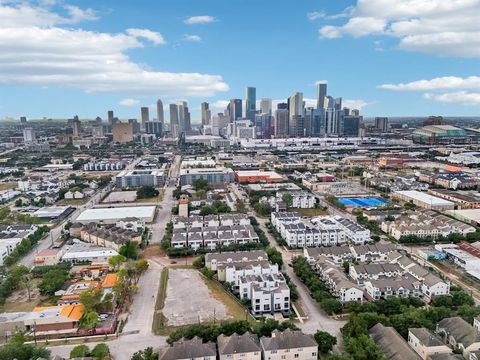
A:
[(446, 356), (460, 330), (287, 340), (391, 343), (236, 256), (235, 344), (426, 337), (188, 349)]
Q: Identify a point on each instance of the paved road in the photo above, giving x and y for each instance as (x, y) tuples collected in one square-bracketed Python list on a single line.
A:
[(56, 232)]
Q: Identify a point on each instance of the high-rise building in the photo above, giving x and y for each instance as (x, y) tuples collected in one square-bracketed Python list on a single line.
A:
[(297, 119), (174, 126), (145, 116), (136, 128), (160, 111), (333, 113), (205, 113), (23, 119), (98, 131), (110, 117), (266, 106), (282, 106), (235, 109), (263, 126), (281, 123), (381, 124), (29, 135), (314, 122), (122, 132), (76, 125), (321, 93), (350, 125), (154, 127), (250, 103), (183, 117)]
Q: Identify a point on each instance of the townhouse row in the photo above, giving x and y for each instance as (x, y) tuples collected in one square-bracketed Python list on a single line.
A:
[(319, 231), (286, 345), (254, 278)]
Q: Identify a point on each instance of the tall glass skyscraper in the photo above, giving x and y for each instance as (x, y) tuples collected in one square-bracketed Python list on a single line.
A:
[(250, 103)]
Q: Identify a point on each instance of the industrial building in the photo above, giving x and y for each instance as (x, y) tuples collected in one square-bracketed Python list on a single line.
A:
[(424, 200), (112, 215)]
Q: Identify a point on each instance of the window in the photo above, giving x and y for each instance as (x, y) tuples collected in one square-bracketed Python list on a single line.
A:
[(284, 357), (296, 356), (314, 354)]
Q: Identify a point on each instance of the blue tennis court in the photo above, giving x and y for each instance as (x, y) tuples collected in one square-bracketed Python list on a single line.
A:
[(363, 202)]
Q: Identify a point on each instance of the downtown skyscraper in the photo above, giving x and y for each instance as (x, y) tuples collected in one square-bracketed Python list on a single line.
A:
[(250, 98)]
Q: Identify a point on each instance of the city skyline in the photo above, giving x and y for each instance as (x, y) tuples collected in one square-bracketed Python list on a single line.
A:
[(382, 63)]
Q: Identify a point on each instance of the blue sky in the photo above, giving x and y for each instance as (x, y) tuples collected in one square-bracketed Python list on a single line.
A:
[(387, 57)]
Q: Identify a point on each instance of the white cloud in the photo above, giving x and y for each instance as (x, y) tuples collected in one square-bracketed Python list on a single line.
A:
[(355, 104), (321, 82), (446, 28), (218, 106), (153, 36), (129, 102), (314, 15), (78, 15), (36, 50), (194, 38), (440, 89), (459, 97), (440, 83), (203, 19)]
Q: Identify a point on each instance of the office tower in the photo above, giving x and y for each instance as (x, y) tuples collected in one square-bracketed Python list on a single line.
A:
[(110, 117), (154, 127), (136, 128), (381, 124), (350, 125), (263, 126), (29, 135), (282, 106), (160, 111), (183, 117), (219, 124), (281, 123), (174, 127), (76, 127), (296, 112), (23, 119), (98, 131), (235, 109), (315, 122), (266, 106), (250, 103), (98, 120), (321, 93), (356, 112), (205, 113), (122, 132), (333, 112), (188, 121), (145, 116)]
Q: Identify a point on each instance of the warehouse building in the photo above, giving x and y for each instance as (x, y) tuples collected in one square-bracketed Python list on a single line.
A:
[(113, 215), (424, 200)]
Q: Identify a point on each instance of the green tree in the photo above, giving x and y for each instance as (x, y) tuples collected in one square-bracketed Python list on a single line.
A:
[(147, 354), (116, 261), (325, 341), (100, 352), (240, 206), (331, 306), (52, 281), (275, 256), (80, 351), (287, 198), (90, 299), (129, 250), (200, 184), (16, 349), (146, 191), (89, 320)]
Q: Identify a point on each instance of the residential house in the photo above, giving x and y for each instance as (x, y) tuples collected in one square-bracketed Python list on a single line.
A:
[(426, 343), (459, 334), (391, 343), (239, 347), (289, 345), (194, 349)]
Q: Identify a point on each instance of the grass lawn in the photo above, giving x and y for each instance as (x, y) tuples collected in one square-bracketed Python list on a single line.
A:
[(74, 202), (311, 212), (162, 294), (299, 308), (18, 306), (234, 308)]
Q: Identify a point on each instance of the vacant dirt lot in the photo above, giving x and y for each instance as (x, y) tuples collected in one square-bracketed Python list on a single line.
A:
[(120, 197), (189, 300)]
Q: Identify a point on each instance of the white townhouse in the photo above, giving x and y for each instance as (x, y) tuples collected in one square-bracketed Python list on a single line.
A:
[(289, 345)]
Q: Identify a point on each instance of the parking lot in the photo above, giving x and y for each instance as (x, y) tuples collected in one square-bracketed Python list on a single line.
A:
[(189, 300)]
